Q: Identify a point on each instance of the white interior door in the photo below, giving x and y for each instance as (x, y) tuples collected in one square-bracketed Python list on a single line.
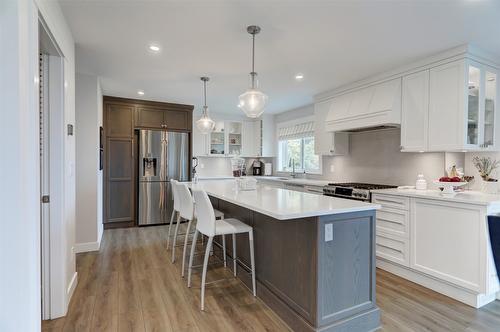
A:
[(45, 184)]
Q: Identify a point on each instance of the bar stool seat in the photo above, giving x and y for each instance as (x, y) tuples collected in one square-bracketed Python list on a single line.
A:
[(231, 226)]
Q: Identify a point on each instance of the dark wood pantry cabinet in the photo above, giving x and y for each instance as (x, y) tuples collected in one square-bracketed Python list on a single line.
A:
[(122, 119)]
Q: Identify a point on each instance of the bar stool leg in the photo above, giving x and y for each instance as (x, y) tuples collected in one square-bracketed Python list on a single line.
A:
[(190, 265), (204, 275), (170, 227), (234, 254), (224, 249), (252, 260), (184, 250), (175, 236)]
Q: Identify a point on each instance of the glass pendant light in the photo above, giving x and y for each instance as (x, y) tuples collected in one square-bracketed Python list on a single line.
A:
[(253, 101), (204, 124)]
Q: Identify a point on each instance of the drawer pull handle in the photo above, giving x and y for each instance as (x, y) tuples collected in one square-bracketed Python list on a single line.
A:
[(391, 248), (391, 221), (389, 201)]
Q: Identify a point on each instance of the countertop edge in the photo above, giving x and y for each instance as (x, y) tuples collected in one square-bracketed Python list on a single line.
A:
[(453, 199)]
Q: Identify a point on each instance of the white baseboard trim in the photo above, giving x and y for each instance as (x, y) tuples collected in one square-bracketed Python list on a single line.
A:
[(71, 287), (87, 246), (455, 292)]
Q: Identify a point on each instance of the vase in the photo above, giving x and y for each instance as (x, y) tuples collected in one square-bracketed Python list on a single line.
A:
[(489, 187)]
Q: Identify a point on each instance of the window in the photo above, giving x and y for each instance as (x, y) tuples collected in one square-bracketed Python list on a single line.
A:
[(298, 152)]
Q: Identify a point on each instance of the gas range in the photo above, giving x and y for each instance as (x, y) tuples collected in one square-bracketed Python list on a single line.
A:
[(353, 190)]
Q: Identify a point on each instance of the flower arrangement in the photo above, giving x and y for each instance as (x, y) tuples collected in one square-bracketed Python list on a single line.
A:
[(485, 167)]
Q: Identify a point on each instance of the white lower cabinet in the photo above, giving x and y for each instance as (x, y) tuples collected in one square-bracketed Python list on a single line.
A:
[(439, 244)]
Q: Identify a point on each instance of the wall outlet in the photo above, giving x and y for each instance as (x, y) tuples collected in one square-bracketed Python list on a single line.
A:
[(202, 165), (328, 232), (332, 168)]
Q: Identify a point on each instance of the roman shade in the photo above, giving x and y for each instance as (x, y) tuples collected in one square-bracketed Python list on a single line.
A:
[(300, 130)]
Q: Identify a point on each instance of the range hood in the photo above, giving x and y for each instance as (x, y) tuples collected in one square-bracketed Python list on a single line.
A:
[(374, 107), (375, 128)]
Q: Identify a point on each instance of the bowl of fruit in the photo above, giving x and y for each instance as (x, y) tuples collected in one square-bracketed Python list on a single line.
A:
[(448, 185)]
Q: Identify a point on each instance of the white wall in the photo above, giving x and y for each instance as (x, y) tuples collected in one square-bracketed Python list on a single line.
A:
[(88, 176), (19, 170), (53, 17), (374, 157), (20, 193)]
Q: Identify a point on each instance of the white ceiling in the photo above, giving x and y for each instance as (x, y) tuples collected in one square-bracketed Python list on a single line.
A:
[(331, 42)]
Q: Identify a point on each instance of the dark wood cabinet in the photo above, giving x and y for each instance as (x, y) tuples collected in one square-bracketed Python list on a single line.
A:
[(163, 118), (121, 119)]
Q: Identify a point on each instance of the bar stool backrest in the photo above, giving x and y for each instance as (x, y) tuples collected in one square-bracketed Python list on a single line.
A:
[(173, 185), (204, 213), (186, 201)]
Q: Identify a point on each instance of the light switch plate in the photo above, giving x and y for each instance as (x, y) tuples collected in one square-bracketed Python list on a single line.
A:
[(328, 232), (332, 168)]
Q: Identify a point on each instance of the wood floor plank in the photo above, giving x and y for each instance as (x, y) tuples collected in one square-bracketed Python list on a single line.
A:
[(131, 285)]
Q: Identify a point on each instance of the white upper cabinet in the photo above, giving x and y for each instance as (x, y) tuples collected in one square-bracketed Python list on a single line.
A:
[(327, 143), (263, 137), (415, 112), (247, 138), (462, 107), (375, 105)]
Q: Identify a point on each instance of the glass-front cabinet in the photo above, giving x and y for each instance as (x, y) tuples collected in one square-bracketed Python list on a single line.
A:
[(217, 140), (226, 139), (234, 138), (481, 102)]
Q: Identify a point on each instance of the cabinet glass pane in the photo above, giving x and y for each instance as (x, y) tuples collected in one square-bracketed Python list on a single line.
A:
[(234, 138), (489, 107), (473, 105), (217, 139)]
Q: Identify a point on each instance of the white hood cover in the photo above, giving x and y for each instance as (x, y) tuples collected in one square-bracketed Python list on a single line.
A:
[(377, 105)]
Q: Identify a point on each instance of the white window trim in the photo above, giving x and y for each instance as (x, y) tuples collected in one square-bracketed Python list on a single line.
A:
[(289, 124)]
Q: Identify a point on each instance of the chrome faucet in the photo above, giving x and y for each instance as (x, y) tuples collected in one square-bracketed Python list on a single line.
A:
[(292, 162)]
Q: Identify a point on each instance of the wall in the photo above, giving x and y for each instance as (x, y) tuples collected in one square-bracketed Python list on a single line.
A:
[(53, 17), (19, 170), (20, 194), (88, 176), (374, 157)]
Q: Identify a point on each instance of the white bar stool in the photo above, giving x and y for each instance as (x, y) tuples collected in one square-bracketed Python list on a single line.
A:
[(186, 211), (175, 209), (209, 226)]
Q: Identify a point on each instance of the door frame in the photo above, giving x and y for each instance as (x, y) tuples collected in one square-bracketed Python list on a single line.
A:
[(54, 274)]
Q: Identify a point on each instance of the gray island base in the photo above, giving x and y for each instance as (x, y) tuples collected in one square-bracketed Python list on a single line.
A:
[(317, 272)]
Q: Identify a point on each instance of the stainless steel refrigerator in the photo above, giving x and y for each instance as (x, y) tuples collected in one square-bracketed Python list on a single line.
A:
[(163, 156)]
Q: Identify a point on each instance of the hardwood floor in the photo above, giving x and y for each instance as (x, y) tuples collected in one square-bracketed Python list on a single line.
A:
[(131, 285)]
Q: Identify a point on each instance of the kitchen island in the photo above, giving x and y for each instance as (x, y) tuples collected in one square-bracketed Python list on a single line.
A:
[(315, 255)]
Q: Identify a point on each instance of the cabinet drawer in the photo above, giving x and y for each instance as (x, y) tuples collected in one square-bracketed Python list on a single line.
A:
[(389, 201), (393, 221), (392, 248)]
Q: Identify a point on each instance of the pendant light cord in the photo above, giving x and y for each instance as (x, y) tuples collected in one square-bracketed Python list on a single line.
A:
[(253, 61)]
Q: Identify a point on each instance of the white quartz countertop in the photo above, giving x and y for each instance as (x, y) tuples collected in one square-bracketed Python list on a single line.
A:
[(281, 203), (467, 196)]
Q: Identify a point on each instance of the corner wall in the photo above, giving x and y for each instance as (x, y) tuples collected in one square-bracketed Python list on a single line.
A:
[(88, 176), (20, 291)]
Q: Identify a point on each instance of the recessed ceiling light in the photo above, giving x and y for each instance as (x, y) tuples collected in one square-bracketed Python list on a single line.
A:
[(140, 93), (299, 77), (154, 48)]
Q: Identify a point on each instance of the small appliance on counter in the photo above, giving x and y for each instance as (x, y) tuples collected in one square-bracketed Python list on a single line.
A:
[(257, 167), (268, 169)]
